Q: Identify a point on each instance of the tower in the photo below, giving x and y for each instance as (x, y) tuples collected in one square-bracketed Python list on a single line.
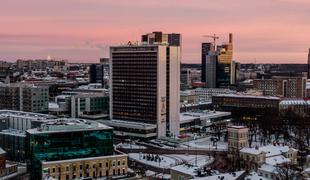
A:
[(145, 83), (309, 64)]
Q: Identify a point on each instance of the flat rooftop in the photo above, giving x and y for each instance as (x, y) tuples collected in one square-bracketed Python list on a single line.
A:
[(68, 125), (191, 116), (248, 96), (128, 124), (13, 132), (22, 114)]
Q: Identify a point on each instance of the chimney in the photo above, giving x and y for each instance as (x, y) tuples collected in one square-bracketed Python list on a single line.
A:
[(230, 37)]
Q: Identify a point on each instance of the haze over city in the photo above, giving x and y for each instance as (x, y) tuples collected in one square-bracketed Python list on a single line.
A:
[(270, 31)]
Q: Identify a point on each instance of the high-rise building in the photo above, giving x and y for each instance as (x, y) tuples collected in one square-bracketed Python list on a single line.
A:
[(205, 49), (309, 64), (217, 64), (145, 83), (173, 39), (224, 62), (211, 69)]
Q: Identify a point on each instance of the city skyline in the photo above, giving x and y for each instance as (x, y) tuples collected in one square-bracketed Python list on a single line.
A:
[(273, 31)]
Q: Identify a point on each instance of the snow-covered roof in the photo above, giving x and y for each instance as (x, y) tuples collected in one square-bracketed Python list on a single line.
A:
[(276, 160), (293, 102), (224, 176), (272, 150), (251, 151), (52, 105), (268, 168), (186, 169)]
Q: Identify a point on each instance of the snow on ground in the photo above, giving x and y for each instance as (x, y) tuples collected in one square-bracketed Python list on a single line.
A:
[(149, 173), (254, 176), (130, 146), (171, 160), (206, 143)]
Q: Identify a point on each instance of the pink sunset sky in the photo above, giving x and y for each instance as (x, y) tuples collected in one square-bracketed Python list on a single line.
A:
[(270, 31)]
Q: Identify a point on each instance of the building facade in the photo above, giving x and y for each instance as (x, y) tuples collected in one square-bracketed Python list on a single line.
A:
[(288, 87), (87, 168), (66, 139), (205, 49), (309, 64), (237, 138), (145, 83), (24, 97), (96, 74), (248, 108), (173, 39), (13, 125)]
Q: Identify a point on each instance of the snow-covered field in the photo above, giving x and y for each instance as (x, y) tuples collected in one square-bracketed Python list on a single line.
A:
[(171, 160)]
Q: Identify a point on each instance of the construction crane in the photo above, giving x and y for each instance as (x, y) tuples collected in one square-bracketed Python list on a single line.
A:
[(214, 37)]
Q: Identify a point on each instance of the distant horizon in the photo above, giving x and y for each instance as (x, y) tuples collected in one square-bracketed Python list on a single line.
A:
[(93, 62), (265, 31)]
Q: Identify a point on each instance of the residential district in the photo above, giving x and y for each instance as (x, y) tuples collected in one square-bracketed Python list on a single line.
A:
[(141, 114)]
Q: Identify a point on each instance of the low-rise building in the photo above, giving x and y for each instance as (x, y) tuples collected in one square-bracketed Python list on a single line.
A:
[(81, 105), (24, 97), (300, 107), (199, 120), (289, 87), (13, 125), (125, 129), (247, 107), (73, 148), (6, 168), (253, 158)]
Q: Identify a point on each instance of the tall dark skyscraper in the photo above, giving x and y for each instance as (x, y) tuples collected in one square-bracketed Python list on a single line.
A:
[(96, 73), (205, 49), (309, 64), (145, 83)]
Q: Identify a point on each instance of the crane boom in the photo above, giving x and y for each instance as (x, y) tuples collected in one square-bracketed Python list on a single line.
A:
[(214, 37)]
